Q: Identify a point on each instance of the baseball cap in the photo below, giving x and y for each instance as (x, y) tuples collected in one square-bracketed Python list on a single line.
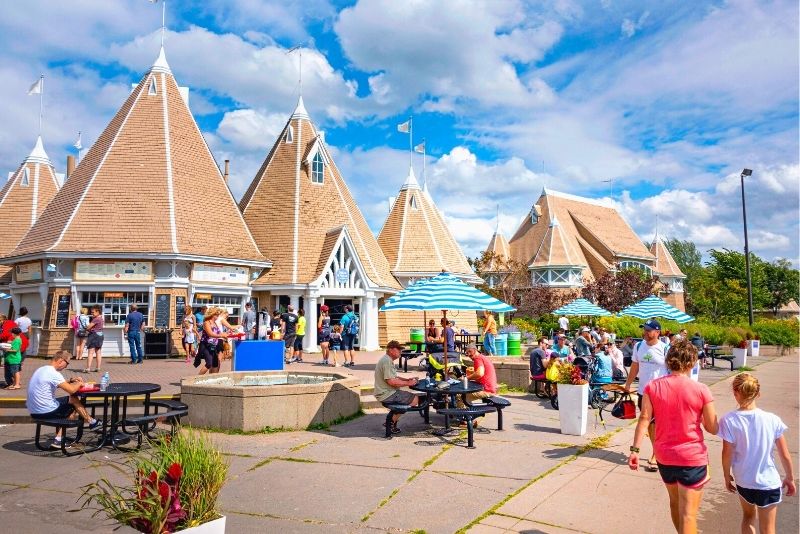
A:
[(652, 324), (548, 341), (585, 329)]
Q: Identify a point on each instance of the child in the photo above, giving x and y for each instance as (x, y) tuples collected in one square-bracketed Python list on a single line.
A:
[(14, 360), (748, 437), (336, 342)]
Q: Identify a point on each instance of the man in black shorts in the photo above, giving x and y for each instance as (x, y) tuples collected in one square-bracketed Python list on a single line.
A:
[(289, 330)]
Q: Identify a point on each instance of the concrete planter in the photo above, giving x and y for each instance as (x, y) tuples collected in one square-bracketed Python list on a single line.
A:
[(573, 404), (739, 358)]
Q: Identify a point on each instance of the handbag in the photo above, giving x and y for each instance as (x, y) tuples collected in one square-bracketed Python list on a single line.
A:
[(624, 408), (552, 373)]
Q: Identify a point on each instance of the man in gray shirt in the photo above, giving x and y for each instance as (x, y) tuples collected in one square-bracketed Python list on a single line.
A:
[(249, 321)]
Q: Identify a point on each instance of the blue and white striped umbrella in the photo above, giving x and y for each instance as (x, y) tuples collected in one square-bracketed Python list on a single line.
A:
[(653, 306), (582, 307), (444, 292)]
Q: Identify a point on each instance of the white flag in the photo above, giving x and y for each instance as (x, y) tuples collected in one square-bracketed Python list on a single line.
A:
[(78, 144), (36, 88), (404, 127), (420, 148)]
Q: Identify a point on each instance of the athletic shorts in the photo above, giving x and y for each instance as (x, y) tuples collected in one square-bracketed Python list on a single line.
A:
[(288, 339), (760, 498), (692, 477), (347, 341), (209, 354), (400, 397), (298, 342), (95, 341), (63, 411)]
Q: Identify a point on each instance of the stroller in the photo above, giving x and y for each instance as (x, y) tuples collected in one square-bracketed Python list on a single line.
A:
[(601, 390)]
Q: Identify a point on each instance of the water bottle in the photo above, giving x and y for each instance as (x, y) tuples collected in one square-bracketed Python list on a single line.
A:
[(104, 381), (466, 382)]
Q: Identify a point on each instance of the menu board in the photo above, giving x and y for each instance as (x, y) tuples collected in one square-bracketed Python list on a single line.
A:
[(114, 270), (209, 272), (162, 311), (62, 312), (180, 309), (29, 272)]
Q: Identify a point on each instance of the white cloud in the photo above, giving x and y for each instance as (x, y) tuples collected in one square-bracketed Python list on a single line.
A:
[(630, 27), (249, 129)]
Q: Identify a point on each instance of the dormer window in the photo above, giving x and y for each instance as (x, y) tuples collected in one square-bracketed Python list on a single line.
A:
[(317, 168), (536, 212), (290, 134), (26, 178), (413, 202), (152, 89)]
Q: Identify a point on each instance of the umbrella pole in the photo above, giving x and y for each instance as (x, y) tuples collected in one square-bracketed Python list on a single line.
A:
[(444, 343)]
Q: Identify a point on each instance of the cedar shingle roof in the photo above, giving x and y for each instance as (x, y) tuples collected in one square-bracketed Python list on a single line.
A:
[(596, 235), (291, 217), (415, 237), (499, 245), (25, 196), (148, 184), (665, 264), (556, 249)]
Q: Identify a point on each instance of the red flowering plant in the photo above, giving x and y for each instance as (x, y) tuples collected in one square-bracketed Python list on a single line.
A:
[(569, 373)]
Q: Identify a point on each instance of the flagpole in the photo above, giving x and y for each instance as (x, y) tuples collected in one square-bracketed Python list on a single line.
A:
[(411, 141), (424, 173), (41, 102), (163, 20)]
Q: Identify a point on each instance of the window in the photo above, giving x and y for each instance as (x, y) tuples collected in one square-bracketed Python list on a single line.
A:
[(231, 303), (152, 89), (289, 134), (536, 212), (317, 168), (676, 285), (557, 277), (636, 265), (413, 202), (116, 305), (26, 178)]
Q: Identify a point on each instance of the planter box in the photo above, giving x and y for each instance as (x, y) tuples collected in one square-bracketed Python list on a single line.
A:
[(216, 526), (739, 358), (753, 347), (573, 404)]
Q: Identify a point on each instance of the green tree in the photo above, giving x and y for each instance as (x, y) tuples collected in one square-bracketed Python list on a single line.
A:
[(686, 255), (614, 291), (724, 300), (730, 265), (782, 283)]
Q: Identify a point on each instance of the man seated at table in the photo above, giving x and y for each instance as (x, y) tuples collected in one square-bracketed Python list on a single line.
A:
[(562, 349), (482, 372), (583, 343), (42, 402), (388, 384), (540, 358)]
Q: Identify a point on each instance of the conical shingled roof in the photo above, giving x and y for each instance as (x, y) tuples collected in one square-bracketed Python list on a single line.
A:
[(415, 238), (148, 184), (26, 194), (556, 249), (499, 245), (290, 216), (665, 264)]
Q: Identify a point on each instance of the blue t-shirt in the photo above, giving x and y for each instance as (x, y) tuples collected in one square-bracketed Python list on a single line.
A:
[(134, 321), (345, 322), (603, 368)]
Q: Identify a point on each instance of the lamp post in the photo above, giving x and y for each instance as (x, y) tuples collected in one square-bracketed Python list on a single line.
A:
[(747, 172)]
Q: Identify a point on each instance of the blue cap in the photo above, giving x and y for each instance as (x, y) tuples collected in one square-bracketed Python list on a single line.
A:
[(652, 324)]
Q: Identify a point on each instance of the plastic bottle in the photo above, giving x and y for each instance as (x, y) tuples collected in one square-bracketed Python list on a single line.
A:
[(104, 381), (466, 382)]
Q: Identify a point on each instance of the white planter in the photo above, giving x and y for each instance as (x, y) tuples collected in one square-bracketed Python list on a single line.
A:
[(739, 358), (753, 347), (573, 404), (216, 526)]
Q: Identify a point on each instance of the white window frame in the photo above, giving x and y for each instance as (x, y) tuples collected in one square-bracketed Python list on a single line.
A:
[(289, 135), (557, 277), (152, 89), (234, 302), (413, 202), (118, 306), (318, 169), (632, 264), (26, 177)]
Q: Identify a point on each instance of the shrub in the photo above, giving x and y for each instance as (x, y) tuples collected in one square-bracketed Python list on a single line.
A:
[(778, 332)]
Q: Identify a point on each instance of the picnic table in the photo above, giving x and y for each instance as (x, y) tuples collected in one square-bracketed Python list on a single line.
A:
[(448, 394), (715, 352), (115, 408)]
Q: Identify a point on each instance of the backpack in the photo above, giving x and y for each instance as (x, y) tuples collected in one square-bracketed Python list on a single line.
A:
[(353, 326)]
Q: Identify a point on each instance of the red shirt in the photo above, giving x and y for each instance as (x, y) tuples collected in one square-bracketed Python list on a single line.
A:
[(678, 403), (489, 378)]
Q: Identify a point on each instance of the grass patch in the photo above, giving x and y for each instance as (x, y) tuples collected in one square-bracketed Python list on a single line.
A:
[(236, 454), (563, 445), (505, 388), (302, 446), (337, 421), (238, 432), (265, 461), (744, 368)]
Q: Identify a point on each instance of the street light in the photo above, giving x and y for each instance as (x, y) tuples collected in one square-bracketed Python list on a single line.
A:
[(747, 172)]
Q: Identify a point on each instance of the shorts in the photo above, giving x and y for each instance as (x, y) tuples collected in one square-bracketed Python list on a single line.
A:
[(336, 346), (692, 477), (63, 411), (208, 353), (95, 341), (347, 341), (400, 397), (298, 342), (324, 337), (12, 368), (760, 498), (639, 404), (288, 339)]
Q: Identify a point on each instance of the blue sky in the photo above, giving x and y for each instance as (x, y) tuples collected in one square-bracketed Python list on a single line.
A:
[(668, 100)]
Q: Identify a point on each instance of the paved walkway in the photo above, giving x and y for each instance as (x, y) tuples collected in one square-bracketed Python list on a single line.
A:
[(528, 478)]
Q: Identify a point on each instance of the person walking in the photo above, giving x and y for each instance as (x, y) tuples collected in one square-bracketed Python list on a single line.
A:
[(324, 333), (13, 360), (134, 323), (749, 435), (249, 321), (189, 336), (649, 357), (81, 328), (336, 343), (682, 406), (289, 331), (489, 333), (95, 340), (349, 323), (210, 336), (297, 355)]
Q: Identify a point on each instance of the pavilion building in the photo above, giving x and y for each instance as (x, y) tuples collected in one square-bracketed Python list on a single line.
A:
[(566, 239), (302, 216), (23, 198), (418, 244), (146, 218)]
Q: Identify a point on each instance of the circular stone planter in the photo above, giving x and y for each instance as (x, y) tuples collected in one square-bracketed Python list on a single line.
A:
[(251, 401)]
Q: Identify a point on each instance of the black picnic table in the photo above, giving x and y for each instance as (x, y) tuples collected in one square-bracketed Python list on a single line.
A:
[(117, 394)]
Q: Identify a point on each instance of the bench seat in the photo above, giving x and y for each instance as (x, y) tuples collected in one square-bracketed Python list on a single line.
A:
[(63, 424), (422, 408), (498, 403), (468, 414)]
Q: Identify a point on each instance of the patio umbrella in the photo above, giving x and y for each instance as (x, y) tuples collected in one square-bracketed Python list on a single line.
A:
[(653, 306), (444, 292), (582, 307)]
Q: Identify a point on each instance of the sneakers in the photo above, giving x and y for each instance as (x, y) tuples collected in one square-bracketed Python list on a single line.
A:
[(395, 430), (97, 425), (56, 445), (337, 365)]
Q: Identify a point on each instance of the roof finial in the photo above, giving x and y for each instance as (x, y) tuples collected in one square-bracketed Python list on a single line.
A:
[(411, 180), (497, 220), (163, 21), (161, 64), (299, 50)]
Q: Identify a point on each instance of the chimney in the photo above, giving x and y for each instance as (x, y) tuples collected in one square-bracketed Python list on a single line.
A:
[(227, 170), (70, 165)]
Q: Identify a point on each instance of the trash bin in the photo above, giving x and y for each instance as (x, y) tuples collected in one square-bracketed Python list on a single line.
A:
[(514, 343), (418, 335), (501, 344)]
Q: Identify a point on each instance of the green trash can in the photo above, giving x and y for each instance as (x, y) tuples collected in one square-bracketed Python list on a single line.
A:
[(417, 334), (514, 343)]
